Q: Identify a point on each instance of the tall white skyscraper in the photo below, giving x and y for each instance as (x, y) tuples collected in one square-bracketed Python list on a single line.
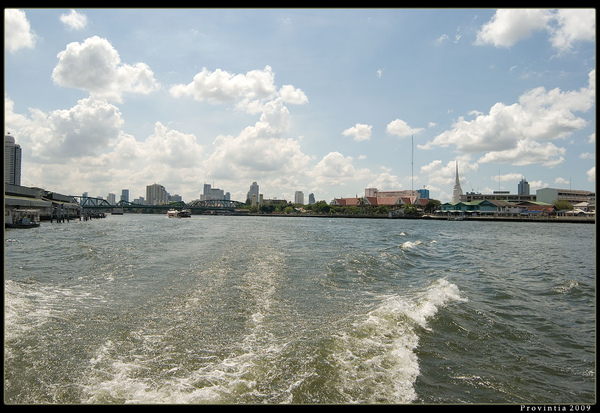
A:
[(12, 161), (457, 191), (299, 197), (156, 195)]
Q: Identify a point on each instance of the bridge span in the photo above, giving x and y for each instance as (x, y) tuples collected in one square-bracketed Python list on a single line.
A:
[(214, 205)]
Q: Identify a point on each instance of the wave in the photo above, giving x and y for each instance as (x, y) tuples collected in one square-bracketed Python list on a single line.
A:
[(410, 244), (370, 360), (21, 313), (377, 356), (566, 287), (191, 360)]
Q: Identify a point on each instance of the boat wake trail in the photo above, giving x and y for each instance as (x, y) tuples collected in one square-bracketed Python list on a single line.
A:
[(377, 355)]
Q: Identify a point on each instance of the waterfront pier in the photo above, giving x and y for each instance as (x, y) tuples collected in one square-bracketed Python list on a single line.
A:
[(52, 206)]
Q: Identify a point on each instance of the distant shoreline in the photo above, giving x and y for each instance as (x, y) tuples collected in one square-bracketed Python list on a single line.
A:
[(577, 220)]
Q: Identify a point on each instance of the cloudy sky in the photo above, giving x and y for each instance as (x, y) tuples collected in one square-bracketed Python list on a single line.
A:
[(323, 101)]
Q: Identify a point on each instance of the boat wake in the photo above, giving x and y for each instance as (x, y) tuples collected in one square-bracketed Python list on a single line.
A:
[(370, 360), (377, 355)]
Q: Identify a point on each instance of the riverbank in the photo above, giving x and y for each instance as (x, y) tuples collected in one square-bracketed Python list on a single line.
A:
[(555, 219)]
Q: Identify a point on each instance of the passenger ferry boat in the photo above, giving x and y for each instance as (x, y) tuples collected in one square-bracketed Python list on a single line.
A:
[(184, 213), (22, 218)]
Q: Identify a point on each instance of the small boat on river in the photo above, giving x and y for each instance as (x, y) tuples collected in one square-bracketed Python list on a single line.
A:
[(22, 218), (175, 213)]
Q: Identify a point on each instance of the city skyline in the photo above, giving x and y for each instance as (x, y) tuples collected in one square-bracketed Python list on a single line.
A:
[(209, 193), (321, 101)]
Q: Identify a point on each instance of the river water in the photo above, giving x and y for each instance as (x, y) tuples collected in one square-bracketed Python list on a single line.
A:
[(226, 309)]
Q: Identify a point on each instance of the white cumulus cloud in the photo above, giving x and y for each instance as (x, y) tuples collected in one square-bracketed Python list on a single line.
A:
[(258, 149), (573, 25), (85, 129), (591, 174), (221, 86), (400, 128), (334, 169), (292, 95), (512, 133), (249, 92), (17, 31), (95, 66), (565, 27), (508, 26), (74, 20), (360, 132)]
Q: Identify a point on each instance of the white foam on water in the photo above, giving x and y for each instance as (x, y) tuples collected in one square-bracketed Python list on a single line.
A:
[(374, 359), (28, 305), (410, 244), (566, 286), (21, 313), (144, 373), (118, 376), (377, 356)]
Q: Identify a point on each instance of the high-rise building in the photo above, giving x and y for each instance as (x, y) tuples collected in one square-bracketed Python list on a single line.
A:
[(212, 193), (253, 191), (111, 198), (12, 161), (311, 198), (156, 195), (457, 191), (299, 197), (523, 187), (125, 195), (423, 193), (205, 192)]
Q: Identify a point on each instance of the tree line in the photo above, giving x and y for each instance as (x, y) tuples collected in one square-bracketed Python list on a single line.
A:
[(323, 208)]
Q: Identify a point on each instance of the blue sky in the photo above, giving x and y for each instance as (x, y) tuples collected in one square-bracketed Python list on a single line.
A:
[(328, 101)]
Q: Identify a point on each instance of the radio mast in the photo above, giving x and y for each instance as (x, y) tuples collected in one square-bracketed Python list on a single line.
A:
[(412, 173)]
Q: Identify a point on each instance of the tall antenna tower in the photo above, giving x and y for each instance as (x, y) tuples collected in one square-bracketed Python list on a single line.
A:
[(412, 173)]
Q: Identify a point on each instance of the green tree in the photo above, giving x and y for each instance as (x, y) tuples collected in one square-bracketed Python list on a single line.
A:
[(382, 209), (321, 207), (267, 209), (361, 203), (560, 204), (432, 205), (410, 210)]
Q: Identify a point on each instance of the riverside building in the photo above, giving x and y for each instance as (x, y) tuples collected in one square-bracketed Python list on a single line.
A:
[(496, 196), (550, 195)]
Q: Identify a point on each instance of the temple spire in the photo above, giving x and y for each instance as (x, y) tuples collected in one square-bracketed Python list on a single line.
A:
[(457, 191)]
